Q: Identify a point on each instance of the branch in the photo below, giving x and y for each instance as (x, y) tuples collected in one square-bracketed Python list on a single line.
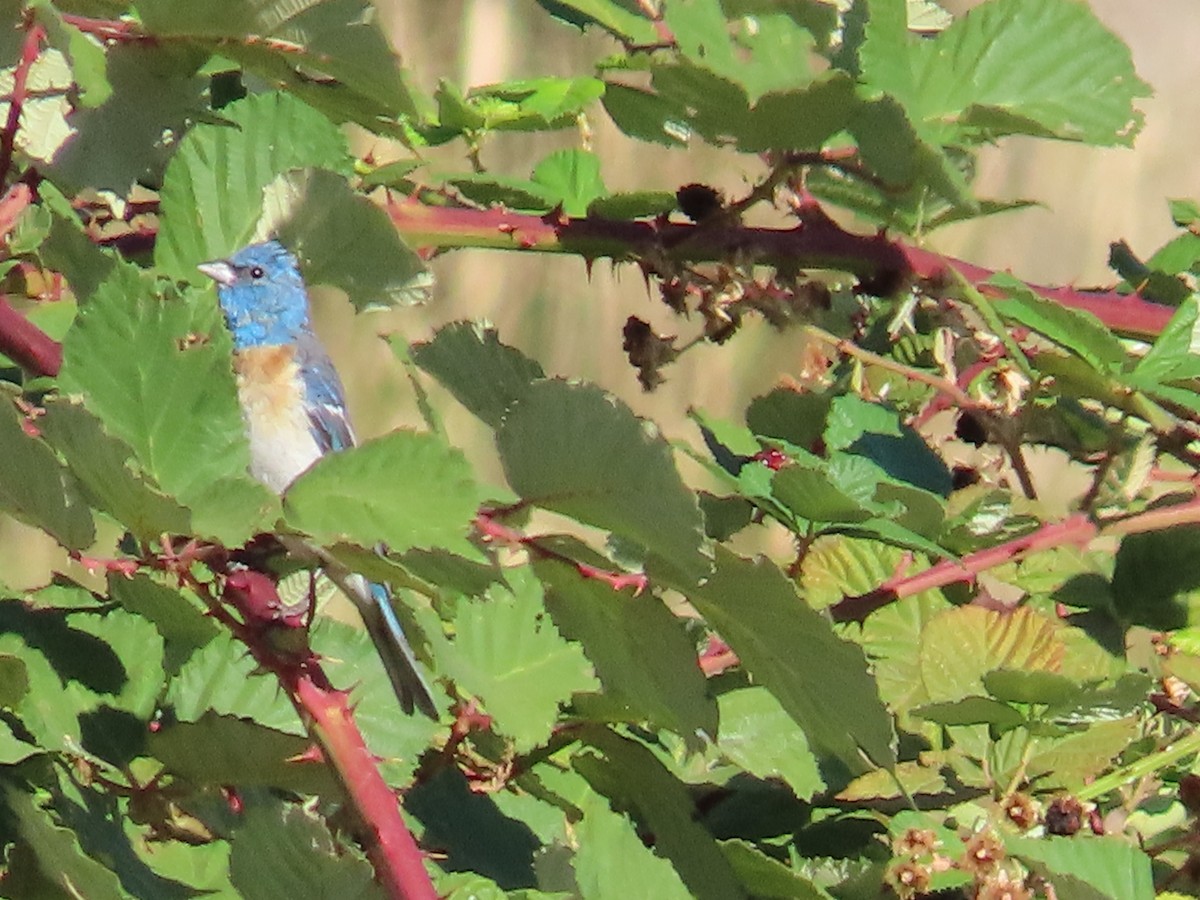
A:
[(882, 265), (327, 716)]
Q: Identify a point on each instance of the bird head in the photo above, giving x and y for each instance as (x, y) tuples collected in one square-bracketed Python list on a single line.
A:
[(262, 295)]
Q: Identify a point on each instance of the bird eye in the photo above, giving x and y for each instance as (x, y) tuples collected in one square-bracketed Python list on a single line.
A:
[(256, 272)]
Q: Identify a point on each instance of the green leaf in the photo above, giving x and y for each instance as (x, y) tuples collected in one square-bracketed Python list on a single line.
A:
[(572, 179), (1155, 580), (508, 653), (995, 71), (1077, 330), (36, 488), (631, 775), (642, 655), (44, 126), (647, 116), (490, 189), (12, 749), (906, 780), (405, 488), (533, 104), (212, 194), (611, 15), (86, 55), (156, 372), (1015, 686), (961, 645), (283, 851), (223, 679), (764, 52), (332, 54), (344, 239), (184, 626), (125, 662), (808, 488), (820, 680), (1111, 865), (764, 876), (1070, 762), (758, 735), (580, 452), (219, 750), (108, 474), (484, 375), (632, 205), (1175, 355), (971, 711), (790, 416), (603, 836), (836, 566), (891, 637)]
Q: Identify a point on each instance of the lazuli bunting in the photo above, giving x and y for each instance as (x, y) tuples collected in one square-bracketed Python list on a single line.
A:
[(295, 412)]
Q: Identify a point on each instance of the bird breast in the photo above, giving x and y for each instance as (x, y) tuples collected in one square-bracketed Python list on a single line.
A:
[(271, 392)]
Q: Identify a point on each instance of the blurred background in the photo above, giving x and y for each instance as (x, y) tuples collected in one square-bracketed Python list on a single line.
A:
[(549, 308)]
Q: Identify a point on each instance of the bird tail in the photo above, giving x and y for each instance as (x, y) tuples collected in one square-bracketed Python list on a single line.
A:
[(374, 605)]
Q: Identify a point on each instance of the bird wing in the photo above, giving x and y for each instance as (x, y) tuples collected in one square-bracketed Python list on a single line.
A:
[(324, 397)]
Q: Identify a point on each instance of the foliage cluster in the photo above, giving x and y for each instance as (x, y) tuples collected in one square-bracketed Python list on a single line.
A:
[(941, 687)]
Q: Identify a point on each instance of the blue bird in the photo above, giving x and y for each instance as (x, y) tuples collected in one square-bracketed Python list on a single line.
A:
[(295, 412)]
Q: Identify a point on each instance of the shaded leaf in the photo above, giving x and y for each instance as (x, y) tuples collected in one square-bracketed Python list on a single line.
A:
[(629, 774), (580, 452), (763, 876), (60, 858), (344, 239), (603, 836), (1077, 330), (108, 473), (282, 851), (212, 193), (217, 750), (1155, 580), (820, 680), (36, 488), (642, 655), (758, 735), (485, 375)]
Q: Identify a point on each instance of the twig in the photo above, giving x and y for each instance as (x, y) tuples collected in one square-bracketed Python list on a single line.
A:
[(26, 344), (942, 385), (1078, 530), (116, 30), (35, 33)]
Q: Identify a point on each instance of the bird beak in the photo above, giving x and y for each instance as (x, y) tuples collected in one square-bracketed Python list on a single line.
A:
[(219, 271)]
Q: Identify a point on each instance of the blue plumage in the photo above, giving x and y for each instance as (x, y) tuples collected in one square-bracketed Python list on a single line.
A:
[(295, 412)]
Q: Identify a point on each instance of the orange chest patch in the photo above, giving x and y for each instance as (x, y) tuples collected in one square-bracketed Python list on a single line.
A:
[(269, 381)]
